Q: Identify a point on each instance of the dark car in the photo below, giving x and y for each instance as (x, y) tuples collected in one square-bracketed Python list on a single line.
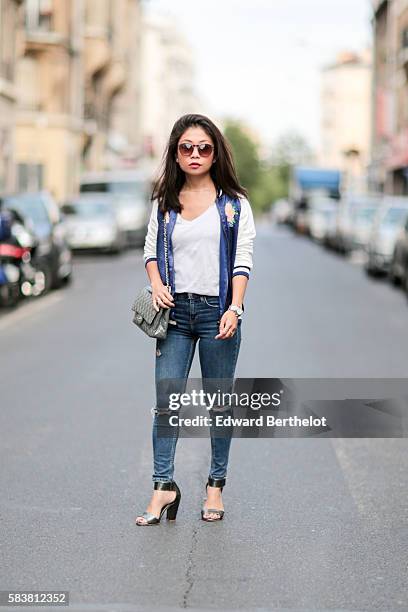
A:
[(53, 254), (398, 270), (387, 225)]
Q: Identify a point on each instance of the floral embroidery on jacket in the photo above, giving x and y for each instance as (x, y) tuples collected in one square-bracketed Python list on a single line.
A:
[(230, 212)]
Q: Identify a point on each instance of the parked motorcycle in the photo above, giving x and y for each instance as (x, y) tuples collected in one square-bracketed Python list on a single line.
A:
[(19, 276)]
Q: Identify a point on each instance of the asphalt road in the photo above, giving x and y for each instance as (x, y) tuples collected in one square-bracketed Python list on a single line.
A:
[(310, 524)]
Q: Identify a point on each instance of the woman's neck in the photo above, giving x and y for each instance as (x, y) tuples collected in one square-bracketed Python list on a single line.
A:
[(198, 183)]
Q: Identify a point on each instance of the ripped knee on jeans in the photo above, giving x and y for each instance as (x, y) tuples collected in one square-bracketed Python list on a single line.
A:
[(161, 410)]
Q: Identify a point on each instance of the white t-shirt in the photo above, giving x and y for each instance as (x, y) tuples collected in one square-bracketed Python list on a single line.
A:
[(196, 253)]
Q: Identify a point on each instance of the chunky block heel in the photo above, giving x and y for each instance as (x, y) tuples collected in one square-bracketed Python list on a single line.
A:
[(213, 482), (171, 507), (172, 510)]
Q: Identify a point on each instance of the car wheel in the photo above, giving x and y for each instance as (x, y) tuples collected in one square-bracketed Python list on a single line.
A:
[(117, 247), (66, 280), (369, 268), (114, 250), (43, 276), (10, 295), (393, 277)]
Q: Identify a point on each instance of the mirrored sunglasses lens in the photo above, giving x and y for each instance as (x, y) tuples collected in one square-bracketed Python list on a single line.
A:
[(205, 150), (185, 148)]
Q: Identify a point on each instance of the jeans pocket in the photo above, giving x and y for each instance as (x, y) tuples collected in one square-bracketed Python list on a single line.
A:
[(212, 302)]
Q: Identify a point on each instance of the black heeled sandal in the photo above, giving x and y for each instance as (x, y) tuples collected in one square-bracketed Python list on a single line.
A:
[(171, 507), (213, 482)]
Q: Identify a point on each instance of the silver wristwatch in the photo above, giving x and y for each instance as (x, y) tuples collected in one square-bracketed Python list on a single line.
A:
[(238, 311)]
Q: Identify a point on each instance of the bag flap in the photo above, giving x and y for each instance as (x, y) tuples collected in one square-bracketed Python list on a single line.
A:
[(143, 305)]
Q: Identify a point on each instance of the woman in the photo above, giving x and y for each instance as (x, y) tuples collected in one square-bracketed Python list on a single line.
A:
[(210, 232)]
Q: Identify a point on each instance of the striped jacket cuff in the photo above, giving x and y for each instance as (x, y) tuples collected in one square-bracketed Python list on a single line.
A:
[(149, 259), (241, 270)]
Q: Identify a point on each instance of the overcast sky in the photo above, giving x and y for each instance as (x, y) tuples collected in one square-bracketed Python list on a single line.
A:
[(260, 60)]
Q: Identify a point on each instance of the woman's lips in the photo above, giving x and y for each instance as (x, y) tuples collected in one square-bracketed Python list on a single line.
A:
[(194, 165)]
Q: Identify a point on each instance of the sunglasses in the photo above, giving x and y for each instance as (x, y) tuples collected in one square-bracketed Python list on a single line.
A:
[(186, 149)]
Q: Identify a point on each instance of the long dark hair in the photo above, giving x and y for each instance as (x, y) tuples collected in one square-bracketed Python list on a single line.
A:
[(168, 186)]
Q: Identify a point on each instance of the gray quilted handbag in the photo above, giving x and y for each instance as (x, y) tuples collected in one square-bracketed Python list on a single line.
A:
[(154, 323)]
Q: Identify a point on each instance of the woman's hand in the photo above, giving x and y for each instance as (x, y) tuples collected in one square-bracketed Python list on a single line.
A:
[(228, 325), (161, 297)]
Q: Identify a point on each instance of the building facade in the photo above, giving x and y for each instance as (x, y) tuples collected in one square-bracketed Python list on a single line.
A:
[(10, 15), (167, 83), (346, 117), (389, 166), (112, 82), (48, 132), (86, 85), (75, 93)]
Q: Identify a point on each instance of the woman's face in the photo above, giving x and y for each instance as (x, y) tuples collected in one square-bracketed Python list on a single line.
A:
[(195, 164)]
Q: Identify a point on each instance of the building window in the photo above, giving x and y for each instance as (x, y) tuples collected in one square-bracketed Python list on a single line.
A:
[(404, 38), (39, 15), (8, 24), (30, 177)]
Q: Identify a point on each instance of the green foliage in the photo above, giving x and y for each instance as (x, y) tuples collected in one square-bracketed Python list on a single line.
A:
[(265, 180), (245, 152)]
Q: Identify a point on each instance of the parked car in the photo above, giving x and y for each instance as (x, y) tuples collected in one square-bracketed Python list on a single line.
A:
[(347, 218), (300, 217), (398, 270), (280, 211), (53, 255), (133, 218), (129, 190), (322, 214), (92, 223), (388, 222)]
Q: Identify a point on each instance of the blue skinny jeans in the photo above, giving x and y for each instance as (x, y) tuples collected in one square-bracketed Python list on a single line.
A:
[(196, 319)]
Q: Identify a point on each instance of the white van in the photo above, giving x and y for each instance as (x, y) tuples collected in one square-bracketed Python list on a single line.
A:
[(130, 190)]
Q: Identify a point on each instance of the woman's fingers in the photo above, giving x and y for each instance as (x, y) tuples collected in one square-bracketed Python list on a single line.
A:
[(227, 329), (163, 299)]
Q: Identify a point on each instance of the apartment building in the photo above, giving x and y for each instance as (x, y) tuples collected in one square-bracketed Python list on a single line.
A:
[(389, 167), (167, 82), (346, 116), (48, 131), (10, 14), (76, 91), (112, 90)]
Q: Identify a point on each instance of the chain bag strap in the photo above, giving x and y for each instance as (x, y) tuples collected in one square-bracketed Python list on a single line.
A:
[(152, 322)]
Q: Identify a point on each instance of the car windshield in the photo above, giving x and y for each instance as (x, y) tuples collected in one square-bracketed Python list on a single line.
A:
[(395, 216), (136, 188), (365, 214), (93, 208), (31, 207)]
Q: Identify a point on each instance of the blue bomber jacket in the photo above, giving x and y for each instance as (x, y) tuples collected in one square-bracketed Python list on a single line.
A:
[(236, 243)]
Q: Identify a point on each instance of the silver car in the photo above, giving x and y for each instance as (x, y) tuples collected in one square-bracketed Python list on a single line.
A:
[(133, 216), (92, 223), (351, 223), (322, 214), (129, 190), (387, 224)]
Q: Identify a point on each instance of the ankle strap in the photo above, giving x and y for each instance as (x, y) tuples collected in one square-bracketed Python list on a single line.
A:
[(216, 482), (164, 486)]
